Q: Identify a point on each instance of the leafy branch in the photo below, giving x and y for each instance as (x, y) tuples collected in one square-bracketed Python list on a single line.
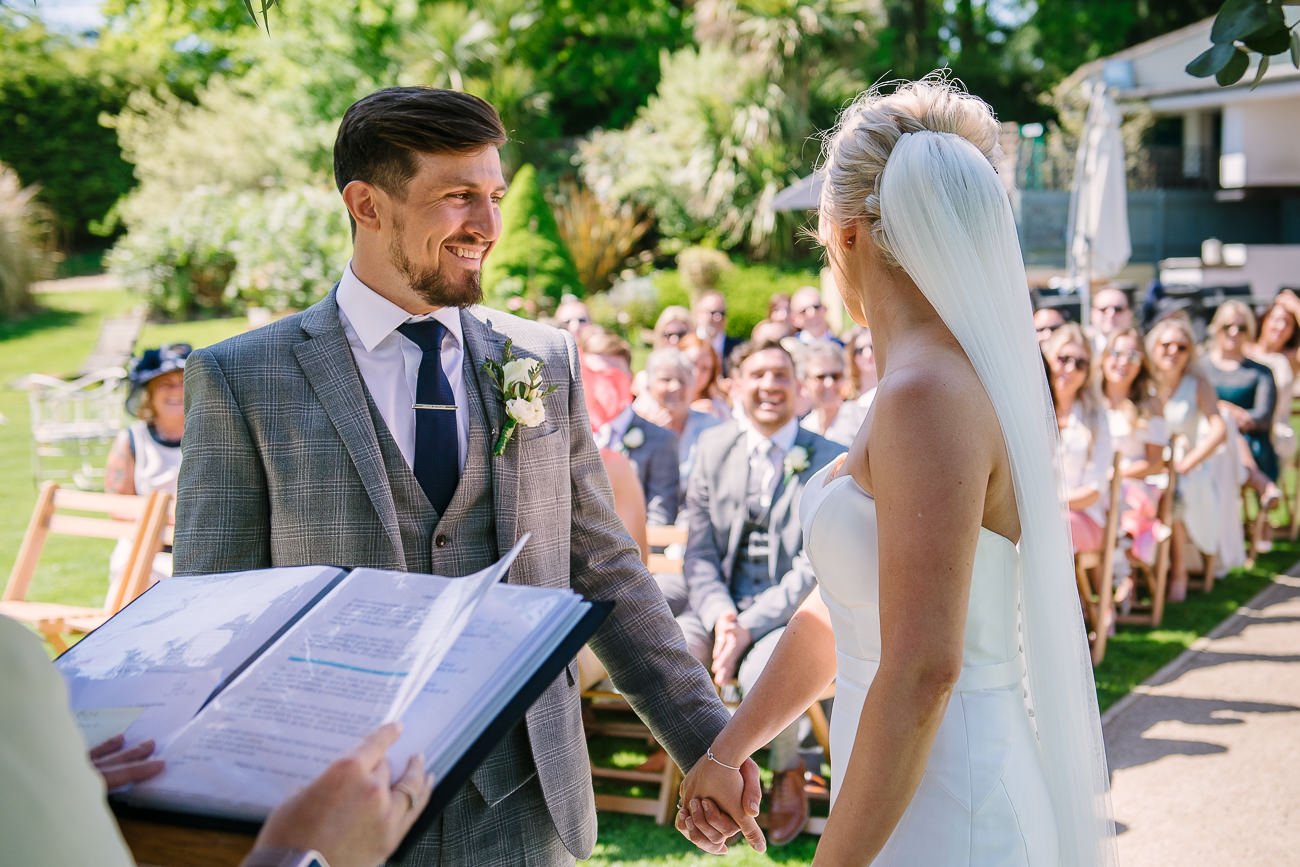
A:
[(1243, 27)]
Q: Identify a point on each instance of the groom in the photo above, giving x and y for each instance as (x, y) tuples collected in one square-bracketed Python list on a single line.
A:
[(360, 432)]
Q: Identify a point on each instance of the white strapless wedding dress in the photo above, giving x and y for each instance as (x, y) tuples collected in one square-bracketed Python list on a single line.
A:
[(983, 799)]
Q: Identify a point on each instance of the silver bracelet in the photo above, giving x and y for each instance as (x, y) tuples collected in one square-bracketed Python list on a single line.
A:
[(711, 757)]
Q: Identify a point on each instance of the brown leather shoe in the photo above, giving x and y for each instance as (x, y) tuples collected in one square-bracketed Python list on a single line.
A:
[(789, 806)]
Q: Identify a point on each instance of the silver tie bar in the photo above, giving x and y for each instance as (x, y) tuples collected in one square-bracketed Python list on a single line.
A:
[(451, 407)]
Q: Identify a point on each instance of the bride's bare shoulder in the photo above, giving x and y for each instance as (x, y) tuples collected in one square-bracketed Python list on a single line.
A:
[(941, 399)]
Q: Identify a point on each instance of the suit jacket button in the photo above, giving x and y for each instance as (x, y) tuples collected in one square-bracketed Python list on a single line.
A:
[(441, 541)]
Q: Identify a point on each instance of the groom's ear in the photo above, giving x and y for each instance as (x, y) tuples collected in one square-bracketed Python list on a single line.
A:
[(361, 199)]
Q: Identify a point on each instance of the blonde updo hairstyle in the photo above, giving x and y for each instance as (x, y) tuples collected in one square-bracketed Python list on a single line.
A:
[(860, 144)]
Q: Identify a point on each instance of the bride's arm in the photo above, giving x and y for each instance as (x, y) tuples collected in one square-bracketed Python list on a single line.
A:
[(801, 668), (931, 451)]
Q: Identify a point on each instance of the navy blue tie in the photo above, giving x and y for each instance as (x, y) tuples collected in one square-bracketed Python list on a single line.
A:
[(437, 459)]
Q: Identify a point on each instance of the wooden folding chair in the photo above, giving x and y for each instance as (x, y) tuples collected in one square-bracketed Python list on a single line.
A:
[(138, 519), (1155, 578), (606, 713), (1094, 571)]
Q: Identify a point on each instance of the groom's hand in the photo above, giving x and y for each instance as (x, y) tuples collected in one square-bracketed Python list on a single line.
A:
[(704, 822)]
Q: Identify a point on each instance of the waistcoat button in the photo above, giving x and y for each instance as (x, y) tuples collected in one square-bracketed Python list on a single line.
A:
[(441, 541)]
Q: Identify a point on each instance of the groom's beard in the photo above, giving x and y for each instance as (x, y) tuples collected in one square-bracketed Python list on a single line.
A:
[(431, 284)]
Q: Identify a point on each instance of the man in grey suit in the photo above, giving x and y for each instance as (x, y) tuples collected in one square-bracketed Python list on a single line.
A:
[(745, 570), (303, 446)]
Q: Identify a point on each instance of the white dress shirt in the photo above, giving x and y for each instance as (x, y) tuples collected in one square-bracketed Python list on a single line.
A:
[(767, 455), (390, 362)]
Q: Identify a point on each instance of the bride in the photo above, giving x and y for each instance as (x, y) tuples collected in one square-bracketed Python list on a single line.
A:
[(965, 728)]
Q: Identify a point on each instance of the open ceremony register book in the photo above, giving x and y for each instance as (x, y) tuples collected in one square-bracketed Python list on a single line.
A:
[(253, 682)]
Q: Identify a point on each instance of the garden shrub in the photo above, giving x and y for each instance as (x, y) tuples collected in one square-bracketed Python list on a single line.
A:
[(530, 261), (50, 104), (25, 242), (223, 253)]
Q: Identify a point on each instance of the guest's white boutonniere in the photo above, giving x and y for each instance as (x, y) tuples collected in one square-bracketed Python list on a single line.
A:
[(519, 386), (796, 461), (633, 438)]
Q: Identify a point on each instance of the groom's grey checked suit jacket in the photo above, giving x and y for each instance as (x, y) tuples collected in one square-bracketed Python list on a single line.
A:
[(715, 518), (287, 462)]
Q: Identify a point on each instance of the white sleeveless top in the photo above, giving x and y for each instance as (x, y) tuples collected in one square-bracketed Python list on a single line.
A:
[(156, 465)]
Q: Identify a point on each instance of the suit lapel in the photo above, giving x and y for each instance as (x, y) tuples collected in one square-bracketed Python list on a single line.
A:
[(327, 363), (483, 342), (732, 482), (784, 496)]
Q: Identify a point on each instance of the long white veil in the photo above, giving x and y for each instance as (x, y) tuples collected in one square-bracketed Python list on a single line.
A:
[(948, 221)]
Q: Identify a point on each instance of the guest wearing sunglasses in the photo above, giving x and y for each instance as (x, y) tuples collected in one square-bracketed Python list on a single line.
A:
[(710, 311), (1248, 394), (1137, 431), (1196, 430), (860, 355), (822, 371), (1086, 453), (808, 314), (1046, 321), (1110, 313), (573, 316)]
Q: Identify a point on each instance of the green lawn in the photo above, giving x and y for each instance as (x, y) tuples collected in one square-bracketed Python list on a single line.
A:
[(56, 340)]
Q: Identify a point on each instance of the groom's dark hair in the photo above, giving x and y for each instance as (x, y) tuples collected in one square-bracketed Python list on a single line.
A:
[(380, 134)]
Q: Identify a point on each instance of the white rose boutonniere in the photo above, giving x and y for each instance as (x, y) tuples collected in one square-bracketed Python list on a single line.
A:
[(796, 461), (633, 438), (519, 386)]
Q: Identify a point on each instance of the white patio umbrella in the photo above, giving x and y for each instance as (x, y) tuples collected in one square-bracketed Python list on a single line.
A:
[(1098, 237)]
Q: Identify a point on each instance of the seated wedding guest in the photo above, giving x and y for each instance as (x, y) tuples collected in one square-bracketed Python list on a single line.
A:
[(607, 385), (146, 456), (1047, 320), (52, 807), (778, 308), (670, 375), (822, 372), (862, 366), (1285, 336), (1246, 392), (673, 324), (744, 567), (808, 315), (573, 316), (1110, 313), (710, 311), (1276, 346), (1137, 433), (708, 393), (1086, 453), (1196, 431)]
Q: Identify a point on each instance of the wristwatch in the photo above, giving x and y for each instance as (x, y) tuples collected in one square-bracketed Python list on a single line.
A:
[(282, 857)]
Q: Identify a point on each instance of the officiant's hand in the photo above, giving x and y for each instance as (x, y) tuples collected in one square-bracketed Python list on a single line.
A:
[(730, 642), (350, 813), (121, 766), (716, 802)]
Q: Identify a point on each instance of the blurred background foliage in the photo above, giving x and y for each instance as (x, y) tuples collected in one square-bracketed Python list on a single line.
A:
[(174, 129)]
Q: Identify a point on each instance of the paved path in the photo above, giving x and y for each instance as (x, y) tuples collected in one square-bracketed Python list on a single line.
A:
[(1205, 756)]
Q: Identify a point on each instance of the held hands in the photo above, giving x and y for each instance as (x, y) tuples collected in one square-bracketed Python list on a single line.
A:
[(350, 813), (716, 802), (730, 642)]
